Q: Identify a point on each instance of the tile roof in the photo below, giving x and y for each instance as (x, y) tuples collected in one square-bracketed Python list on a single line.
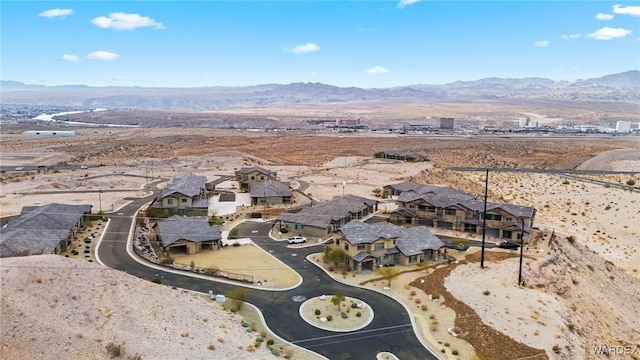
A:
[(410, 241), (323, 214), (270, 188), (515, 210), (194, 229), (190, 185), (248, 170), (39, 229)]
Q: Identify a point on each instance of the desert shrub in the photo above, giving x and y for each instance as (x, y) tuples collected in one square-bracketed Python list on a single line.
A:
[(432, 316), (221, 340), (251, 348), (556, 348), (358, 314), (115, 350), (157, 281), (263, 334), (486, 292), (565, 182), (211, 347), (344, 315), (571, 239), (284, 230), (329, 317), (454, 352), (270, 342), (39, 280), (424, 307), (631, 182), (259, 339), (318, 312), (571, 327), (354, 305), (417, 301)]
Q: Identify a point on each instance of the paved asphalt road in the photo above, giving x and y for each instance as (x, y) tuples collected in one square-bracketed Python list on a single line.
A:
[(390, 329)]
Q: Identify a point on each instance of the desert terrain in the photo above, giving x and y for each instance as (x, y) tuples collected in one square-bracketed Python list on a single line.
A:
[(567, 282)]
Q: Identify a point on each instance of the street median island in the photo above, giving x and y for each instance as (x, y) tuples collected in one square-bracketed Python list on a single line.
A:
[(336, 313)]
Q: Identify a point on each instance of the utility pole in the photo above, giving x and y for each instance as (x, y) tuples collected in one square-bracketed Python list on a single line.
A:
[(484, 216), (100, 199), (521, 247)]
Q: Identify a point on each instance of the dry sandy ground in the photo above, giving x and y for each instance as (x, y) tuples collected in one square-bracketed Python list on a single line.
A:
[(76, 308), (608, 231)]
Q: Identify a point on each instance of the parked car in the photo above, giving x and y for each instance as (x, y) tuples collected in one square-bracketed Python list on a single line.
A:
[(508, 245), (297, 240), (84, 167), (19, 168)]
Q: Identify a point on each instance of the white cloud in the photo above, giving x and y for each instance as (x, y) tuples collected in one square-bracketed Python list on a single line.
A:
[(102, 55), (51, 13), (607, 33), (571, 36), (626, 10), (304, 49), (542, 43), (602, 16), (69, 57), (123, 21), (405, 3), (376, 70)]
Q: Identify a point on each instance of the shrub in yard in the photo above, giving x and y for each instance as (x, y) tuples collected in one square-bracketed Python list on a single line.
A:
[(115, 350), (284, 230), (270, 342), (358, 314), (344, 315), (329, 317), (354, 305), (318, 312), (424, 307)]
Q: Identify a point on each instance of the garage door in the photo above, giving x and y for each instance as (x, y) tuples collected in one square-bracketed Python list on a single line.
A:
[(445, 225)]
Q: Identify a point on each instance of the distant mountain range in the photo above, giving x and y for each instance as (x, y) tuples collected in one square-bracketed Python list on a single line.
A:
[(622, 87)]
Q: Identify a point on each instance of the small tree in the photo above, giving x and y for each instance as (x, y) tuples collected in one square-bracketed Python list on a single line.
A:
[(336, 255), (233, 233), (388, 273), (239, 296), (337, 299)]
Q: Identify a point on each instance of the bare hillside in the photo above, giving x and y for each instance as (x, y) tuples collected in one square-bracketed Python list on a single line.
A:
[(59, 308)]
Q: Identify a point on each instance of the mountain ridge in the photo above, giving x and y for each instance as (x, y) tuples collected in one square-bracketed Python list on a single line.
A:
[(623, 87)]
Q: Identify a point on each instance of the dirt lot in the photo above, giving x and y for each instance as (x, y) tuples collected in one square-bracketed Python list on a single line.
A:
[(326, 161)]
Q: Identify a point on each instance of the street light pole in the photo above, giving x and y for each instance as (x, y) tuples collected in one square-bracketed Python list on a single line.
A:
[(521, 247), (484, 216), (100, 199)]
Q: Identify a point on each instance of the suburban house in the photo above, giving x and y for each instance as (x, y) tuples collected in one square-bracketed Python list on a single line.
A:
[(187, 235), (186, 195), (47, 229), (270, 193), (323, 219), (246, 175), (454, 210), (369, 246), (403, 155)]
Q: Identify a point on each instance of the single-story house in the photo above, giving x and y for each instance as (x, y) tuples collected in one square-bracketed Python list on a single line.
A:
[(369, 246), (47, 229), (270, 192), (188, 235)]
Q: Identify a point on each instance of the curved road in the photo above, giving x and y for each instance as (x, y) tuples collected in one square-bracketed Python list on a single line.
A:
[(390, 330)]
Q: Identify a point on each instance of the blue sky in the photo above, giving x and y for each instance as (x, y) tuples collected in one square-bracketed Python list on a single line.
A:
[(342, 43)]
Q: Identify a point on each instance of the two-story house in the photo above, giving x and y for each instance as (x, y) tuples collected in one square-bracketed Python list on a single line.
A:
[(246, 175), (321, 220), (454, 210), (369, 246), (186, 195)]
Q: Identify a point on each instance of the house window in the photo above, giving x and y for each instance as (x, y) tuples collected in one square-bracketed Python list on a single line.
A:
[(494, 217), (378, 246), (253, 178), (395, 242), (413, 258), (430, 208), (338, 241), (261, 177), (183, 200), (169, 201), (346, 247), (449, 211), (362, 247)]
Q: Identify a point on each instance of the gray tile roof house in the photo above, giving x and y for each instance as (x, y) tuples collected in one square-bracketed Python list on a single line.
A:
[(191, 185), (266, 189), (410, 241), (324, 214), (249, 170), (42, 229), (191, 229)]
